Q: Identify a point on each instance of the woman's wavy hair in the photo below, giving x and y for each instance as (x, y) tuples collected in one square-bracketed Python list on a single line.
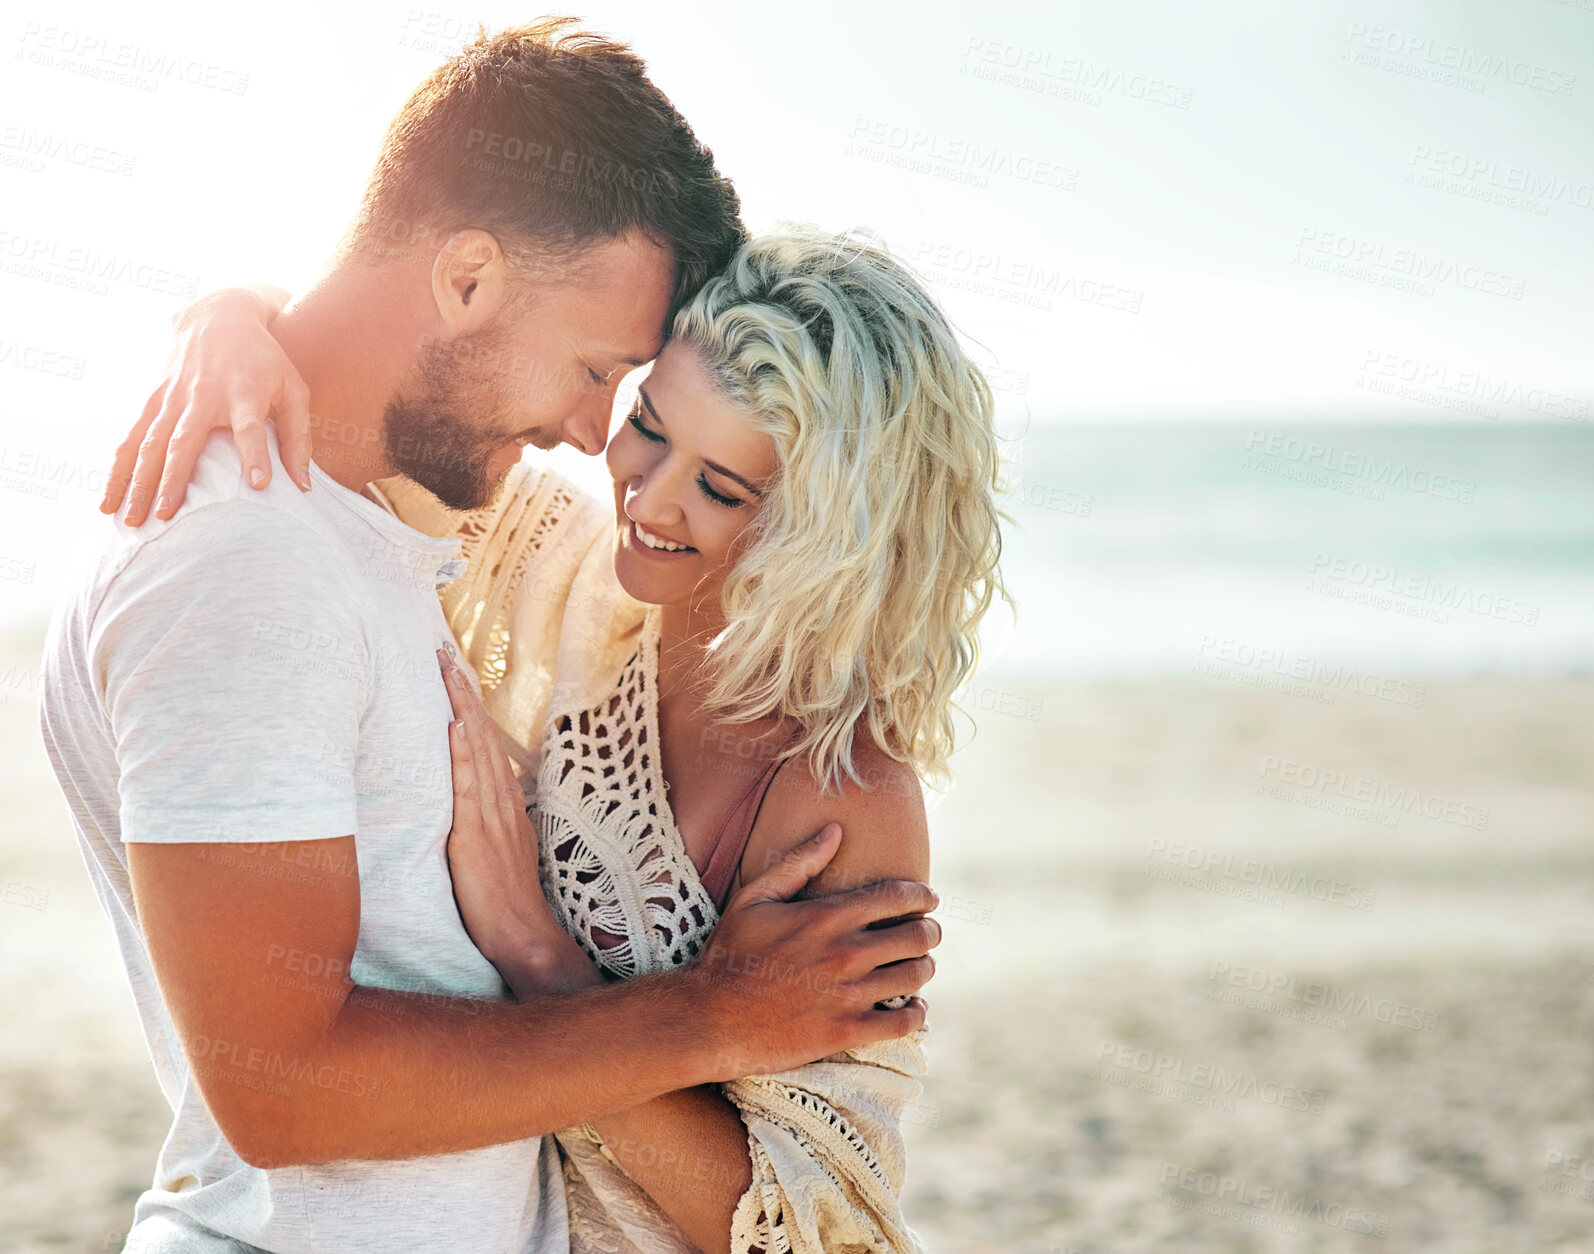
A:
[(860, 585)]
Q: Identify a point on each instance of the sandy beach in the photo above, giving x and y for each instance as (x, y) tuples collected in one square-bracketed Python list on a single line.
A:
[(1226, 969)]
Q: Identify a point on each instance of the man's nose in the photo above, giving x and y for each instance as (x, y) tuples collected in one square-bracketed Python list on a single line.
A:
[(587, 429)]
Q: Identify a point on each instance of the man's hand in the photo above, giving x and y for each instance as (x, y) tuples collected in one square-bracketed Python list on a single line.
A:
[(793, 981), (225, 371)]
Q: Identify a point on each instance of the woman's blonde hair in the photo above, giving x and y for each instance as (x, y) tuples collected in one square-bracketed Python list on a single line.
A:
[(874, 553)]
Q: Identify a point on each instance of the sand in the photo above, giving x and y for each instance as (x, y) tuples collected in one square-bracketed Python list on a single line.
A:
[(1383, 1045)]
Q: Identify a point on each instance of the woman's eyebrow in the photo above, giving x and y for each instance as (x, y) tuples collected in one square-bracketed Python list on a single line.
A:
[(642, 393), (731, 474)]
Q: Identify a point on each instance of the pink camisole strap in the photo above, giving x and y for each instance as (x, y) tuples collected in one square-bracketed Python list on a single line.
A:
[(730, 840)]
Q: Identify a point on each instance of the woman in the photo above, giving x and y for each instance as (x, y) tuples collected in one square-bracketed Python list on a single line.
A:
[(766, 635)]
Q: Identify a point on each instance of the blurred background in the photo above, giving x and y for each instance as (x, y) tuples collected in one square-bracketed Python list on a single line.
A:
[(1267, 874)]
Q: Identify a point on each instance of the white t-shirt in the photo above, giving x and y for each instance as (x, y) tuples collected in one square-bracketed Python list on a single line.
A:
[(261, 668)]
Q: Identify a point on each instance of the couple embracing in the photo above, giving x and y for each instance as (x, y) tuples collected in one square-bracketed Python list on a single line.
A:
[(497, 868)]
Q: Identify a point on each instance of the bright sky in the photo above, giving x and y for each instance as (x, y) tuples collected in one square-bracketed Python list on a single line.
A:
[(1137, 209)]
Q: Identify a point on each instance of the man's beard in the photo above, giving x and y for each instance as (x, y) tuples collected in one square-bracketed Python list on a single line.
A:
[(427, 433)]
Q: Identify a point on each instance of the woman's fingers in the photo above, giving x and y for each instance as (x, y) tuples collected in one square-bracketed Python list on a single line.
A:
[(468, 713), (458, 735), (463, 765), (485, 746), (293, 429), (121, 473), (188, 441), (151, 461), (249, 431), (506, 787), (457, 692)]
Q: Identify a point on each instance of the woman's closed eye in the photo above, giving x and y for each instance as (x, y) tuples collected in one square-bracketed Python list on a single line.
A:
[(719, 498), (635, 419), (707, 489)]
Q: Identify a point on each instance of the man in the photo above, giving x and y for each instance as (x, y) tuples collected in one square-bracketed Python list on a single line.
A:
[(242, 705)]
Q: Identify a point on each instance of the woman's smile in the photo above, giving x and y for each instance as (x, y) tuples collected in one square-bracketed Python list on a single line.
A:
[(660, 548)]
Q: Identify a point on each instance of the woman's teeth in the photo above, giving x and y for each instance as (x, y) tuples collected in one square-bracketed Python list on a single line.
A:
[(659, 542)]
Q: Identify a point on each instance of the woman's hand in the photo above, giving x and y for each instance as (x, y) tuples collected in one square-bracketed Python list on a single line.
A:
[(225, 370), (493, 859)]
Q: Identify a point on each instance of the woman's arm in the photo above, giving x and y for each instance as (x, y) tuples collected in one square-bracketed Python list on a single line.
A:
[(225, 371), (839, 1118), (686, 1149), (891, 838), (692, 1150)]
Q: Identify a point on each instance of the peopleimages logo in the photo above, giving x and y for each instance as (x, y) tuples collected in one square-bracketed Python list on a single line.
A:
[(1020, 280), (36, 147), (1354, 464), (1373, 792), (1491, 173), (96, 55), (1219, 655), (1268, 878), (1375, 260), (1239, 1192), (1317, 995), (1385, 587), (1440, 383), (1168, 1070), (1068, 78), (1424, 52), (272, 1072), (45, 361), (78, 266), (963, 160), (1569, 1168)]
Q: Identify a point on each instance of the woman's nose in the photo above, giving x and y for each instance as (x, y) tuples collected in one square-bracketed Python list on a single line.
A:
[(649, 500)]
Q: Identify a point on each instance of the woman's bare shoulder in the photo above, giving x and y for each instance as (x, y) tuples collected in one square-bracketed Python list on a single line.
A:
[(884, 830)]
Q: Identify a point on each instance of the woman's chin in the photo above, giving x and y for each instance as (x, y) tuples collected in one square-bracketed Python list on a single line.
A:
[(640, 585)]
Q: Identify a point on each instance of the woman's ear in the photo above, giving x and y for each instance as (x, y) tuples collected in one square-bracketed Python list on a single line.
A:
[(469, 281)]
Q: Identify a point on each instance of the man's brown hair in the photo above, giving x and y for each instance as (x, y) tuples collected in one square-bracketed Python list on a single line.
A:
[(552, 138)]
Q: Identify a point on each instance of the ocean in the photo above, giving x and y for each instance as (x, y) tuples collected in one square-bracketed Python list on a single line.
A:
[(1285, 548)]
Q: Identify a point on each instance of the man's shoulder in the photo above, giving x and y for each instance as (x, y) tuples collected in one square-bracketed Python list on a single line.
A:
[(229, 549), (214, 515), (223, 516)]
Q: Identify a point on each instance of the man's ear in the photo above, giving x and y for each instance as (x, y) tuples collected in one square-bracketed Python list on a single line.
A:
[(469, 281)]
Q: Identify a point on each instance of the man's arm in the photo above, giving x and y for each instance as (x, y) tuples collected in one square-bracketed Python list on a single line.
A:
[(688, 1149), (295, 1071)]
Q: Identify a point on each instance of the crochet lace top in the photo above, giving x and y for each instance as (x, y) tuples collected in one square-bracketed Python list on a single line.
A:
[(615, 868)]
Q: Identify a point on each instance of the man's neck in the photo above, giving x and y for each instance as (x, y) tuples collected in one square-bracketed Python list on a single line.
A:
[(350, 340)]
